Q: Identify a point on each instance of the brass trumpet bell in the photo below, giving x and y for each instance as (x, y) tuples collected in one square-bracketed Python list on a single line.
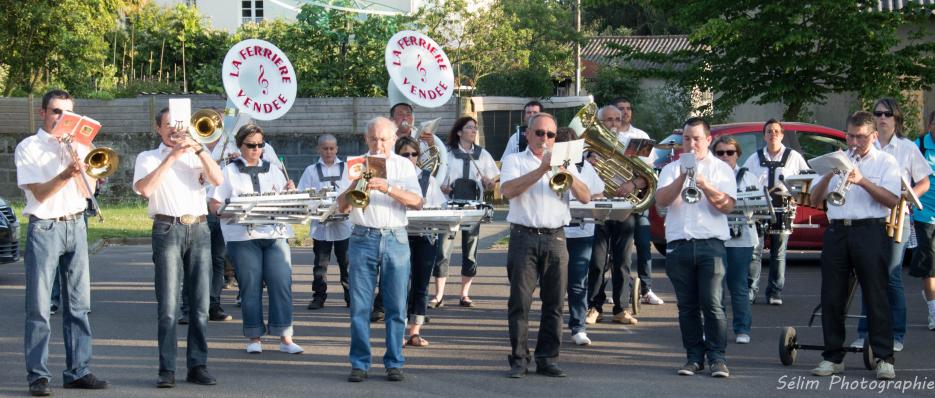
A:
[(358, 199), (101, 162), (207, 125), (560, 182)]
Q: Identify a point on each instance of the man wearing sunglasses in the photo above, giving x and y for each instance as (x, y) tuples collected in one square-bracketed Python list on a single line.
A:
[(537, 249), (517, 141), (172, 178), (56, 247), (771, 164)]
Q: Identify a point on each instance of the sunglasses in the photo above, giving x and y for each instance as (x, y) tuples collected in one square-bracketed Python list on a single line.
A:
[(882, 113), (541, 133), (409, 154), (729, 152), (254, 146)]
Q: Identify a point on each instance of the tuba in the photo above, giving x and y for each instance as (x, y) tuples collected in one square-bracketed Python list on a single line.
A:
[(615, 168)]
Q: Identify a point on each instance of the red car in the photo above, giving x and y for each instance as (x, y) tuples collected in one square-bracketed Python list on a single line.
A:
[(809, 139)]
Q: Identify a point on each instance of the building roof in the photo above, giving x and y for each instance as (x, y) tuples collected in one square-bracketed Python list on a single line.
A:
[(598, 48), (892, 5)]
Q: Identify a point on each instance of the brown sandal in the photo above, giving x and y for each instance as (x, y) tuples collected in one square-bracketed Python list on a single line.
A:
[(417, 341)]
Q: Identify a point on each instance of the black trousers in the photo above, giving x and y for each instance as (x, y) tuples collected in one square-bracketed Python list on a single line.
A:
[(322, 250), (422, 257), (536, 258), (612, 241), (858, 248)]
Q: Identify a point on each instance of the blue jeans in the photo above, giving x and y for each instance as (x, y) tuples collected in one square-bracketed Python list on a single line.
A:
[(644, 255), (735, 280), (894, 290), (579, 257), (57, 249), (696, 269), (383, 251), (257, 261), (182, 252), (777, 266)]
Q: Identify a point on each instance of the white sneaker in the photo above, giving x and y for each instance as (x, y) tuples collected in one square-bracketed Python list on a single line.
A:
[(651, 299), (828, 368), (858, 343), (885, 371), (931, 321), (743, 338), (581, 338), (775, 301), (254, 348), (291, 348), (897, 346)]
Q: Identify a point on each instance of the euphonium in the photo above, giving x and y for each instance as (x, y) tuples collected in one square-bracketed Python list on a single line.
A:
[(614, 168), (429, 160), (691, 193), (102, 162)]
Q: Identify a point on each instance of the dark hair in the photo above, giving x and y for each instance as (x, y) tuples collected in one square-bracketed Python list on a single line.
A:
[(931, 119), (393, 108), (55, 94), (405, 141), (772, 121), (534, 103), (728, 140), (160, 114), (453, 137), (696, 120), (246, 131), (893, 106), (620, 99), (565, 134), (860, 119)]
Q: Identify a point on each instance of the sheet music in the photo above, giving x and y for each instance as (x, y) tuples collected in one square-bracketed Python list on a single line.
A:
[(641, 147), (836, 160), (180, 111), (569, 150)]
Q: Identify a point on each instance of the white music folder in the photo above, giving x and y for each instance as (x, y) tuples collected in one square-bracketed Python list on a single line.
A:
[(572, 151), (836, 160)]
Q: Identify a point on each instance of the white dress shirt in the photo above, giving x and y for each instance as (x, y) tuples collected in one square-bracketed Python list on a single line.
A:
[(39, 158), (384, 211), (794, 165), (433, 194), (879, 168), (237, 183), (512, 146), (914, 167), (334, 230), (699, 220), (485, 162), (180, 191), (748, 236), (538, 206), (595, 186)]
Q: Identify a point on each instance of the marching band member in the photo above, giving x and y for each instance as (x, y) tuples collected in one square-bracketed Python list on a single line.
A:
[(471, 171), (404, 118), (327, 172), (218, 262), (422, 248), (537, 246), (381, 245), (517, 141), (260, 253), (695, 235), (580, 239), (923, 258), (771, 164), (739, 248), (171, 176), (888, 121), (855, 242), (56, 247)]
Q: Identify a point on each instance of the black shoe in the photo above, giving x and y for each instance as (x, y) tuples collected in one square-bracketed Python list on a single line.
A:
[(200, 375), (357, 376), (88, 382), (518, 371), (551, 370), (316, 304), (395, 374), (217, 314), (166, 379), (53, 309), (40, 388), (376, 316), (183, 320)]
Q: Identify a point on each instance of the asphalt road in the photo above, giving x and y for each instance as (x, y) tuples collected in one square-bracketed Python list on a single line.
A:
[(469, 346)]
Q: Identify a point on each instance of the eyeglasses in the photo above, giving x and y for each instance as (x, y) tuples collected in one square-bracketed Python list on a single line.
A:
[(612, 119), (729, 152), (541, 133), (882, 113), (254, 146), (409, 154), (858, 136)]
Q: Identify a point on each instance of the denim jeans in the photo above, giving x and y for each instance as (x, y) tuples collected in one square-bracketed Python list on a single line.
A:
[(644, 256), (322, 251), (777, 266), (57, 249), (696, 269), (735, 281), (469, 241), (383, 251), (182, 252), (579, 257), (423, 260), (257, 261), (894, 290)]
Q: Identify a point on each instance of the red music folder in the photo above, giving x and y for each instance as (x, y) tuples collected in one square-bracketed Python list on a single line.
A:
[(84, 128)]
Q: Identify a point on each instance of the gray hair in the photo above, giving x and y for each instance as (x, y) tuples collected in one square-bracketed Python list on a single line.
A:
[(327, 138), (604, 109), (533, 118)]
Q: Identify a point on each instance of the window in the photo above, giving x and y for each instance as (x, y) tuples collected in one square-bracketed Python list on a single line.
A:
[(812, 145), (251, 11)]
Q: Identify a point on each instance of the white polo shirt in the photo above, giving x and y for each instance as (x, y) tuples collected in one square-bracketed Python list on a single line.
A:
[(433, 194), (39, 158), (180, 191), (237, 183), (794, 165), (384, 211), (484, 162), (334, 230), (881, 169), (748, 236), (595, 186), (538, 206), (699, 220)]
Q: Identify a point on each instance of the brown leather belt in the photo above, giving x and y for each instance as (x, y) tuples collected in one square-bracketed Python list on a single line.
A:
[(186, 219)]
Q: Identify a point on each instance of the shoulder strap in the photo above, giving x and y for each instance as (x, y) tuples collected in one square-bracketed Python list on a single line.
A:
[(424, 182), (785, 157), (522, 138), (740, 172)]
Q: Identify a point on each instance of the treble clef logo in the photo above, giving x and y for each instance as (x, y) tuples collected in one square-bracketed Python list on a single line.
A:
[(421, 68), (263, 81)]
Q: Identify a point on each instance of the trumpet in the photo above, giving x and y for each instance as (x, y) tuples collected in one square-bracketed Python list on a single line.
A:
[(691, 193), (206, 126), (838, 196), (358, 197), (560, 181), (100, 163)]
